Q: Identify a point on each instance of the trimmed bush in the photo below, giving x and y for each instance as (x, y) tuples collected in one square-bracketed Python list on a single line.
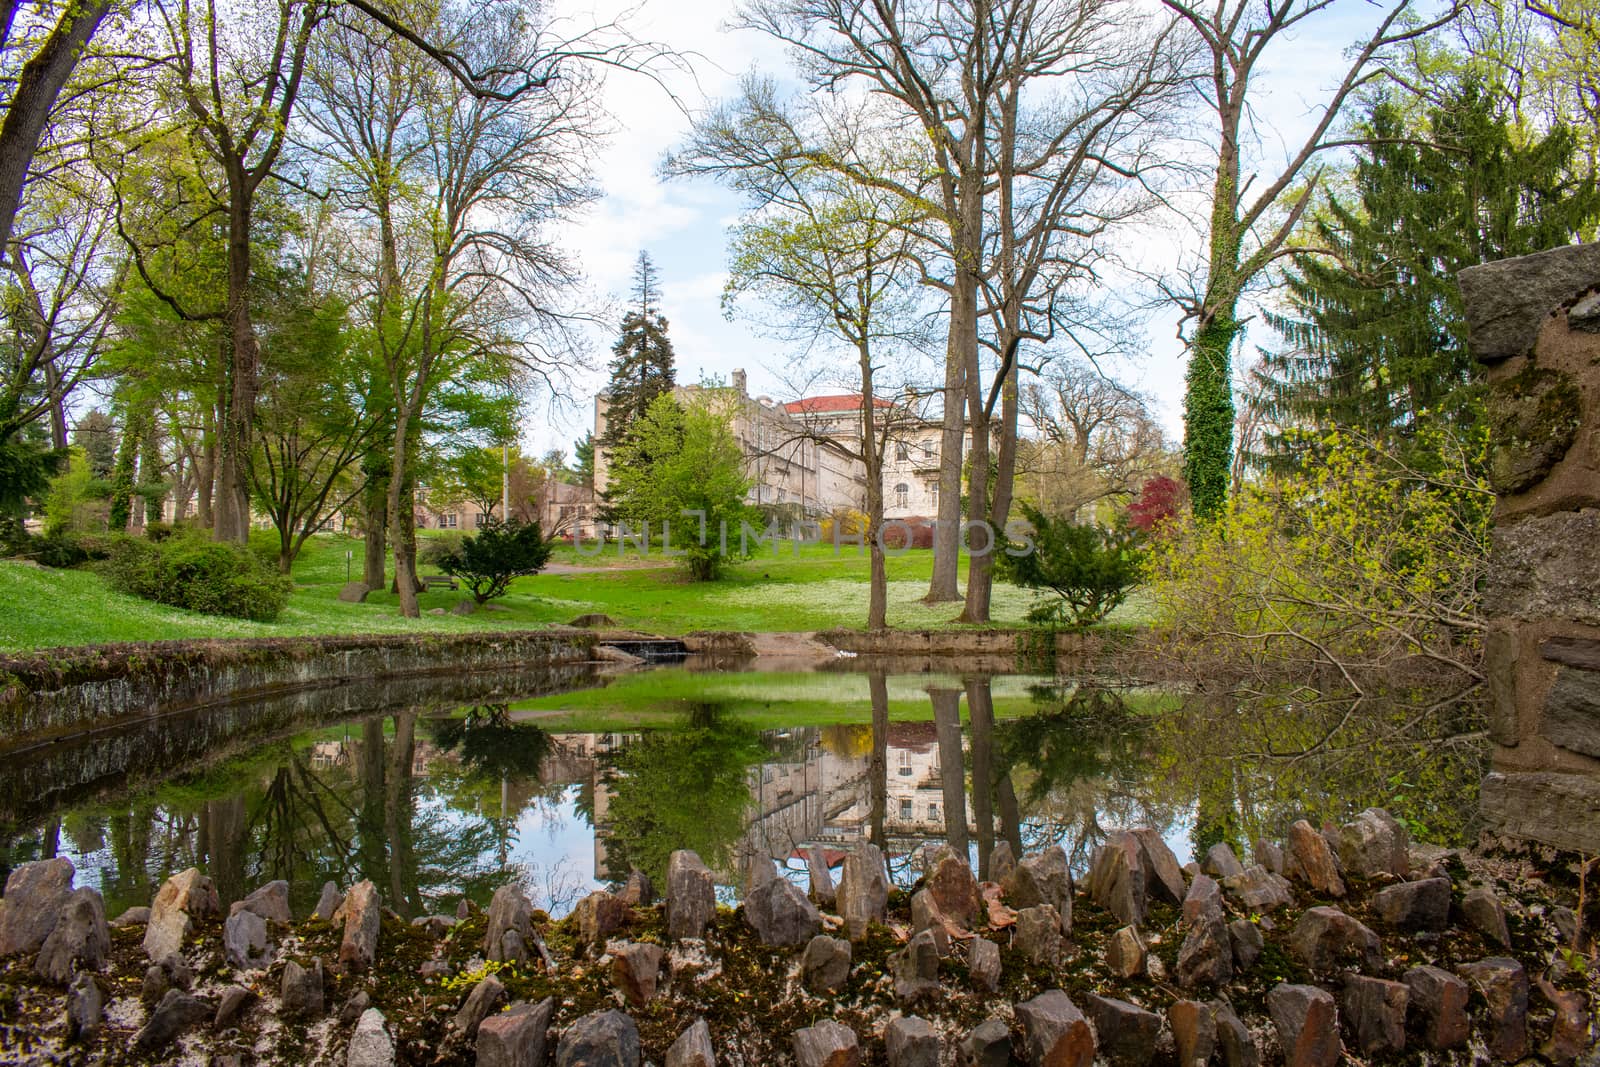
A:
[(185, 570), (500, 552)]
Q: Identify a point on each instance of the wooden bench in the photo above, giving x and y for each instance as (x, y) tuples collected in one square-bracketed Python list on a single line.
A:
[(431, 582)]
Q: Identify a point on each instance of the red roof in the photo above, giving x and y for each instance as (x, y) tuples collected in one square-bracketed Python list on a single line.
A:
[(812, 405)]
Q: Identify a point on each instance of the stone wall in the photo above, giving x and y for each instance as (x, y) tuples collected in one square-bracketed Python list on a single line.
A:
[(1535, 323)]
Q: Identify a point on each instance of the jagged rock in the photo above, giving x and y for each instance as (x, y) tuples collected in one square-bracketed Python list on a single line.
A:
[(171, 973), (1487, 915), (691, 896), (328, 902), (1002, 861), (1307, 1023), (1117, 878), (1206, 957), (231, 1007), (1373, 844), (1432, 861), (1504, 987), (1326, 939), (132, 917), (1055, 1031), (1194, 1032), (301, 990), (181, 898), (485, 999), (363, 917), (509, 910), (757, 873), (863, 895), (1423, 905), (435, 926), (598, 916), (516, 1038), (358, 1003), (177, 1012), (827, 1044), (635, 969), (601, 1039), (86, 1007), (1234, 1040), (825, 964), (1125, 953), (693, 1047), (370, 1045), (911, 1042), (1569, 1029), (1248, 944), (1220, 862), (1163, 878), (79, 937), (1038, 934), (637, 891), (1437, 1007), (822, 887), (1042, 878), (987, 1045), (464, 908), (32, 903), (1268, 855), (1127, 1033), (1310, 860), (271, 902), (245, 943), (780, 914), (916, 968), (1203, 903), (925, 915), (1375, 1012), (1258, 889), (983, 963), (955, 889)]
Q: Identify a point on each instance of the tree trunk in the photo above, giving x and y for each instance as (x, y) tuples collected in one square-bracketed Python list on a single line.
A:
[(952, 767), (403, 519), (980, 567), (375, 521), (878, 764), (206, 477), (1208, 415), (960, 346), (980, 716), (233, 482), (872, 458)]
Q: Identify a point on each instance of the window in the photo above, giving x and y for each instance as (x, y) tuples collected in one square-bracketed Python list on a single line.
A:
[(902, 451), (905, 809), (928, 448), (902, 495), (905, 761), (933, 813), (933, 493), (483, 518), (448, 521)]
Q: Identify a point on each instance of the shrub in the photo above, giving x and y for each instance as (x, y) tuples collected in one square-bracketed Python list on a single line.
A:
[(849, 523), (187, 571), (500, 552), (433, 551), (1089, 568)]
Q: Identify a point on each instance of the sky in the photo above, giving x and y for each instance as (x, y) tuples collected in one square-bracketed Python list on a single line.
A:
[(682, 224)]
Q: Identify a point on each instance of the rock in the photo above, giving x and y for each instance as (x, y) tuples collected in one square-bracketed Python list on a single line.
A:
[(1507, 301), (177, 1012), (1566, 924), (1374, 844), (1437, 1007), (435, 969), (515, 1038), (827, 1044), (757, 873), (1002, 861), (637, 891), (1220, 862), (1309, 860), (594, 621), (1375, 1012), (1248, 944), (1203, 903), (1258, 889), (1234, 1040), (79, 938), (34, 895), (245, 943), (1326, 939), (353, 592), (362, 912), (359, 1002), (1163, 877), (180, 899), (86, 1007), (271, 902), (171, 973), (1055, 1031), (301, 990), (1194, 1032), (925, 915), (1307, 1023), (825, 964), (691, 896), (780, 914), (916, 968), (911, 1042), (1432, 861), (1206, 957), (435, 926), (1117, 880), (1038, 934), (1125, 953), (1569, 1029), (634, 970), (132, 917), (692, 1049), (370, 1045), (328, 902), (600, 1039), (231, 1007), (822, 887), (464, 607), (1268, 855), (1127, 1033), (485, 999), (1487, 915), (1042, 878), (1584, 316), (1533, 419), (1423, 905), (1504, 987), (863, 894), (509, 910), (437, 611), (983, 963), (987, 1045), (598, 916), (955, 889)]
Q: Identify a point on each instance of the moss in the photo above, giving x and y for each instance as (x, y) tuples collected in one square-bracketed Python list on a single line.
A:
[(1534, 417)]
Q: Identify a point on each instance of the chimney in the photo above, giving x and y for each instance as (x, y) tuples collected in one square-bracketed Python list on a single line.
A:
[(739, 381)]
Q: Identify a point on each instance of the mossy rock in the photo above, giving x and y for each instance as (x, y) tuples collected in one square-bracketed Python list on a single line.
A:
[(1533, 420)]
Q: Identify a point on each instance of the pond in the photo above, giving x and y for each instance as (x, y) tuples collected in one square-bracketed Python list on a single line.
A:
[(447, 788)]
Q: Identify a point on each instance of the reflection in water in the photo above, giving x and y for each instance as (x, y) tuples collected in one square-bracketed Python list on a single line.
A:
[(432, 808)]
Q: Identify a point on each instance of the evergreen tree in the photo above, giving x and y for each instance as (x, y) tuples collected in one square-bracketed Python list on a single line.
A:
[(583, 460), (1376, 332), (642, 360), (97, 436)]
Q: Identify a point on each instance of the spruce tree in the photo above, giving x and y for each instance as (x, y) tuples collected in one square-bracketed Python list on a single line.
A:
[(642, 360)]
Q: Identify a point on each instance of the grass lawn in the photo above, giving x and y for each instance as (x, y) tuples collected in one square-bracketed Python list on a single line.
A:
[(815, 589)]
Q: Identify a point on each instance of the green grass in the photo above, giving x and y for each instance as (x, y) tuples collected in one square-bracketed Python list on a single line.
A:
[(815, 589)]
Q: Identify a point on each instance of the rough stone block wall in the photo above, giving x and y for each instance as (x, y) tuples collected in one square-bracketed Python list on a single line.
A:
[(1535, 323)]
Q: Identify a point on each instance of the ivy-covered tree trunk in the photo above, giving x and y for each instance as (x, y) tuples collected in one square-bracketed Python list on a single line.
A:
[(1208, 416)]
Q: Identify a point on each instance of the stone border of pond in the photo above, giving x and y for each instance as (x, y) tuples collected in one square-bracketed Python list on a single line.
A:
[(60, 692)]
